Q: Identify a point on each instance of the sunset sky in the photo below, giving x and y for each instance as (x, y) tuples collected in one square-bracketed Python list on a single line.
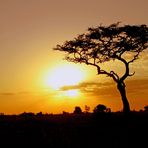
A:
[(31, 72)]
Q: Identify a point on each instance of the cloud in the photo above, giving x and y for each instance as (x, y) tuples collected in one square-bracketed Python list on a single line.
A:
[(7, 94), (24, 93), (14, 93), (140, 85), (109, 88), (92, 88), (88, 86)]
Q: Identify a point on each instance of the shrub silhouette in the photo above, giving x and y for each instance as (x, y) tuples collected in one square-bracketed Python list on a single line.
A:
[(87, 109), (77, 110), (100, 109), (39, 114), (146, 108), (27, 114)]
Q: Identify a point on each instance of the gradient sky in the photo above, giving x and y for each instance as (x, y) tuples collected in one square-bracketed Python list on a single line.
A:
[(29, 29)]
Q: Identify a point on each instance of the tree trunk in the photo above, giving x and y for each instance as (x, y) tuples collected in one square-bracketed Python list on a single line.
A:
[(121, 88)]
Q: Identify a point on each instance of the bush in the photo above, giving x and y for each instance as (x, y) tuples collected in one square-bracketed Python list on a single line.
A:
[(77, 110), (146, 108), (101, 109)]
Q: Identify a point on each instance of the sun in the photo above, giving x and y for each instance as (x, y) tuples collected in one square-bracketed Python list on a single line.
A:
[(72, 93), (65, 75)]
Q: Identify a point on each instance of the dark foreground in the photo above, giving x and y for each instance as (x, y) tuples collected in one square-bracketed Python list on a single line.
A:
[(75, 131)]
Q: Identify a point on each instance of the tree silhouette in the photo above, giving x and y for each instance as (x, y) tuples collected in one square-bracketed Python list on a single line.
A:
[(77, 110), (109, 43), (100, 108), (87, 109), (146, 108)]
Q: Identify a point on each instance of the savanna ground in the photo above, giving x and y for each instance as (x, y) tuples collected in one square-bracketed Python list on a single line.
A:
[(111, 130)]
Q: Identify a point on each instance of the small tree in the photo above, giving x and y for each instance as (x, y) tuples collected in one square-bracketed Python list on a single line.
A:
[(87, 109), (146, 108), (100, 109), (106, 43), (77, 110)]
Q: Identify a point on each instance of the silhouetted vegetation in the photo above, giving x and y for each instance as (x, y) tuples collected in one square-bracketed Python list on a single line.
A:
[(87, 109), (109, 43), (146, 108), (77, 110), (101, 109), (71, 130)]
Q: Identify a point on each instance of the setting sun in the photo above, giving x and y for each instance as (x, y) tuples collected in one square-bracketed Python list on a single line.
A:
[(72, 93), (66, 75)]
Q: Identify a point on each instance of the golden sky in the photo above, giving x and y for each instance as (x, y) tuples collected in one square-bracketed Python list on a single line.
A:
[(29, 29)]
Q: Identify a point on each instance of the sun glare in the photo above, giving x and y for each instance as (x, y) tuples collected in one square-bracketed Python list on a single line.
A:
[(66, 75), (72, 93)]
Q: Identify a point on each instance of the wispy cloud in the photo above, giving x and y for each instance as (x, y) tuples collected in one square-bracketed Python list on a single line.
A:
[(92, 88), (14, 93), (86, 86), (24, 92), (139, 85), (7, 94), (109, 88)]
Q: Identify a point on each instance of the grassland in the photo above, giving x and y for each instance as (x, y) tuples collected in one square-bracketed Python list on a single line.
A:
[(113, 130)]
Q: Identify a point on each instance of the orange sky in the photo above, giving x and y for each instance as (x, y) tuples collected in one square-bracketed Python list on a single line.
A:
[(29, 29)]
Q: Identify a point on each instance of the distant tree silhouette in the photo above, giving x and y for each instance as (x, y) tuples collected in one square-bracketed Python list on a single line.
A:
[(65, 113), (87, 109), (39, 114), (146, 108), (109, 43), (77, 110), (108, 110), (27, 114), (100, 109), (2, 114)]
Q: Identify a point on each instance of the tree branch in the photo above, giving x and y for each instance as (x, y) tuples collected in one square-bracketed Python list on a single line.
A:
[(111, 74), (117, 77), (135, 58), (132, 74), (126, 74)]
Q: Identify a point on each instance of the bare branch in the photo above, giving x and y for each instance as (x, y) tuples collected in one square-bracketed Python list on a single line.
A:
[(135, 57), (126, 74), (115, 75), (132, 74), (109, 74)]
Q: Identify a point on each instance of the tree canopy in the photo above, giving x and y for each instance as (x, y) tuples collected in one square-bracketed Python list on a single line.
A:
[(105, 43), (108, 43)]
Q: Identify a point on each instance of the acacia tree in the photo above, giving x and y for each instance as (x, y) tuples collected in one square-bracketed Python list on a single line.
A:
[(105, 43)]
